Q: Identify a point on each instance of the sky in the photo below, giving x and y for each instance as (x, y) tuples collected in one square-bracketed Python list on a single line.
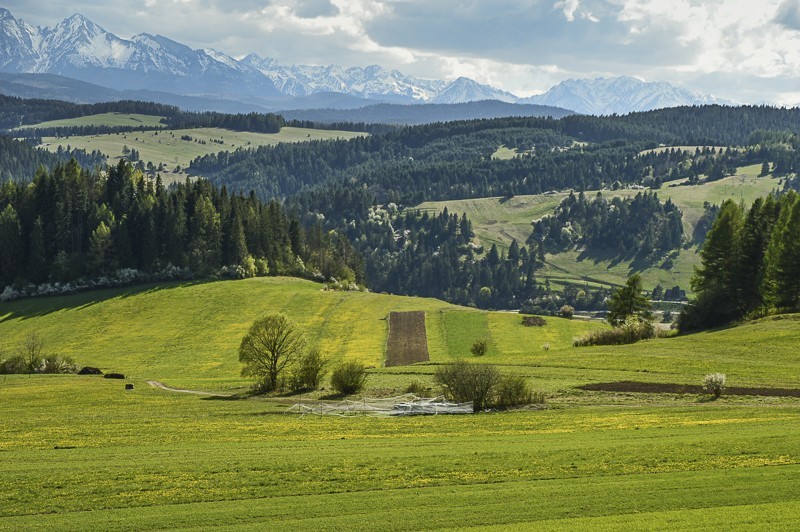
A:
[(747, 51)]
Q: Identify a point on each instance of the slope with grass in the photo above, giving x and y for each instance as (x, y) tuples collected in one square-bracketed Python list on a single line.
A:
[(168, 148), (500, 220), (83, 453), (103, 119), (188, 334)]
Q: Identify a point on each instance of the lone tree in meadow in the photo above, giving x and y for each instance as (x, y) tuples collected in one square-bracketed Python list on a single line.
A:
[(271, 344), (628, 301)]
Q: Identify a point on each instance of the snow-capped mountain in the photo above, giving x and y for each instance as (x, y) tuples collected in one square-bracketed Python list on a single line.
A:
[(372, 82), (79, 49), (604, 96), (467, 90)]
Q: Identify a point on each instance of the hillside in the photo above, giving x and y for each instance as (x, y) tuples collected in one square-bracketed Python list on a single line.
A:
[(177, 147), (500, 220), (188, 335)]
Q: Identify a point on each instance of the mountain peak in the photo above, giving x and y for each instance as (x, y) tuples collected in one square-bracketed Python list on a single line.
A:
[(617, 95)]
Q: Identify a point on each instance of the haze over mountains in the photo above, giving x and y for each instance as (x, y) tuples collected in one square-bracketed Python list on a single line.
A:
[(156, 68)]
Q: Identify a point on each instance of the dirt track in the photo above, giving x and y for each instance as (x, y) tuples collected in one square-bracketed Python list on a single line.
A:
[(156, 384)]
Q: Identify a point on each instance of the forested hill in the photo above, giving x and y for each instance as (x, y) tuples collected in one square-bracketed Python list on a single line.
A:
[(74, 224), (453, 160), (19, 160), (15, 112)]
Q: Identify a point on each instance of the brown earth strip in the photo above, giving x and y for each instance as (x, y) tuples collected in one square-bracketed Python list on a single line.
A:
[(408, 339), (658, 387)]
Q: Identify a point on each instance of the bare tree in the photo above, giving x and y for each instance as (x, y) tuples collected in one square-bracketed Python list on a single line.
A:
[(271, 344), (31, 350)]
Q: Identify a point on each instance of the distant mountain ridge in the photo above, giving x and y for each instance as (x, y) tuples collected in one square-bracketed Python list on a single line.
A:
[(620, 95), (78, 48)]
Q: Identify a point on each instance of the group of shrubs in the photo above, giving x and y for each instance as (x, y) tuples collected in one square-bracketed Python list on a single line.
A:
[(31, 358), (484, 386), (631, 330)]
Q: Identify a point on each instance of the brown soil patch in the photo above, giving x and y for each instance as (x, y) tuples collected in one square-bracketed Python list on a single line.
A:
[(408, 340), (658, 387)]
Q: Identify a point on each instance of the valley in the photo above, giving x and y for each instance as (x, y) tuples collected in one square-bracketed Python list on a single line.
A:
[(413, 301)]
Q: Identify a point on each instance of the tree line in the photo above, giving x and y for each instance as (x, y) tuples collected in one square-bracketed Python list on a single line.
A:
[(750, 263), (638, 225), (71, 223)]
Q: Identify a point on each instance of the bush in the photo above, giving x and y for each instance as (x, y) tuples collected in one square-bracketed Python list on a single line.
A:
[(479, 348), (631, 331), (416, 387), (13, 366), (512, 390), (349, 377), (483, 386), (464, 382), (714, 383), (533, 321), (309, 371), (566, 311), (57, 364)]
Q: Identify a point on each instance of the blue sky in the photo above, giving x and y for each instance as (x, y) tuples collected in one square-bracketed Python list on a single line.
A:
[(743, 50)]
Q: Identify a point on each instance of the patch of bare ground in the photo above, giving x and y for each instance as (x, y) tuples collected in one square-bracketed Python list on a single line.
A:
[(408, 339), (658, 387)]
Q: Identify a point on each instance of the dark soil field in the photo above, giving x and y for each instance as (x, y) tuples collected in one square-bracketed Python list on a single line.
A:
[(408, 341), (655, 387)]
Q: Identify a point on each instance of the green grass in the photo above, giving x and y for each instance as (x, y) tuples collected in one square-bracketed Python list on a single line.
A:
[(82, 453), (188, 334), (501, 220), (503, 153), (104, 119), (167, 148)]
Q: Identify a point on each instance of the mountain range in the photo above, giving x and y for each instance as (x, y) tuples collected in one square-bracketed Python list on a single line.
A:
[(160, 69)]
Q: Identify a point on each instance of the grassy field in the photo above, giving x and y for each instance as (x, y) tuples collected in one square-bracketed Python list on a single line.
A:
[(500, 220), (104, 119), (167, 147), (188, 334), (82, 453)]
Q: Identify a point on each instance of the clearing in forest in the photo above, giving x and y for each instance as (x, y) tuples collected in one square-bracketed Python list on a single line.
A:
[(408, 341)]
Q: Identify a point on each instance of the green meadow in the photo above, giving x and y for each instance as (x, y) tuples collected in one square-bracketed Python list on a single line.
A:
[(82, 453), (501, 220), (103, 119), (167, 148)]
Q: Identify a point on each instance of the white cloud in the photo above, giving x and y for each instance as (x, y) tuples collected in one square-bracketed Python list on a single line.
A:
[(746, 50)]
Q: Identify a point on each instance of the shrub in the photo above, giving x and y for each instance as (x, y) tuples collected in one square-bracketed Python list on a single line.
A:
[(631, 331), (566, 311), (349, 377), (533, 321), (416, 387), (310, 370), (57, 364), (512, 390), (546, 346), (479, 348), (714, 383), (465, 382), (13, 365)]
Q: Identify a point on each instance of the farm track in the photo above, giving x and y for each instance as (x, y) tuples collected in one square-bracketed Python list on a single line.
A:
[(161, 385)]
